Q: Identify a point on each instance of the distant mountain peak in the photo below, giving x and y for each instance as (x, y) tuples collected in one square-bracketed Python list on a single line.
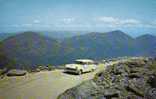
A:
[(117, 32), (146, 36), (29, 33)]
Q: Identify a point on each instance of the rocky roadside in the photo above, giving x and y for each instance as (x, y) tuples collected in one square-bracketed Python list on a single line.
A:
[(133, 79)]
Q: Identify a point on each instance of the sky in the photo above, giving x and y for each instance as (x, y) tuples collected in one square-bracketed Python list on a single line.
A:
[(135, 17)]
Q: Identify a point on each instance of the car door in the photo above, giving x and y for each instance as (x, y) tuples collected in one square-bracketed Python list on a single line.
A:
[(85, 67), (88, 67)]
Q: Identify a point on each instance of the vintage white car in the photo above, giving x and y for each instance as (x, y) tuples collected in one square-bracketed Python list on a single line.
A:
[(80, 66)]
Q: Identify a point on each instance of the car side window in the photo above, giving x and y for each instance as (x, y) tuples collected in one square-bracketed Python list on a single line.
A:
[(85, 65)]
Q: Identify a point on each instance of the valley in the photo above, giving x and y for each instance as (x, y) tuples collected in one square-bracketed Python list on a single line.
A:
[(28, 50)]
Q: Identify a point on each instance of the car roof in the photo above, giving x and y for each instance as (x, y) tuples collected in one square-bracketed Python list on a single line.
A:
[(84, 60)]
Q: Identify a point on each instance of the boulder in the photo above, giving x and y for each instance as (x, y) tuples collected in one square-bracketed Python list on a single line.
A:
[(16, 72), (3, 71), (126, 80), (110, 93)]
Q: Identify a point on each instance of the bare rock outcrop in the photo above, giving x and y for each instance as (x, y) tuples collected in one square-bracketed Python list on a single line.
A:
[(133, 79)]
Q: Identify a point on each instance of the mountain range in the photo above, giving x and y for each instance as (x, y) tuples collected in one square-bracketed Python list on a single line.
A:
[(31, 49), (5, 35)]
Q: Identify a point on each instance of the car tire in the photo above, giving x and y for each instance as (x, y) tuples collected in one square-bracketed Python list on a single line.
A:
[(92, 70), (80, 72)]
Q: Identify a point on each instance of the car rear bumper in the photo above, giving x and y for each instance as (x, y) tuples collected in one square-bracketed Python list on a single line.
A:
[(71, 70)]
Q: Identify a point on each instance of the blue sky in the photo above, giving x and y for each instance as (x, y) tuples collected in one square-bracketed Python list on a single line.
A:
[(133, 16)]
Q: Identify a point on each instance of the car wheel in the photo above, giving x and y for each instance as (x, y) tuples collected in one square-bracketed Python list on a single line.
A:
[(92, 70), (79, 72)]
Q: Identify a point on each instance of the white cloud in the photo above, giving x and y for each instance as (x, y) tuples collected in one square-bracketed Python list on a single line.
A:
[(68, 20), (26, 25), (130, 21), (13, 25), (98, 22), (36, 21), (115, 22), (108, 19)]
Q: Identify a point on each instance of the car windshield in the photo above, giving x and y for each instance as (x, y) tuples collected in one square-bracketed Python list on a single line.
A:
[(79, 62), (82, 62)]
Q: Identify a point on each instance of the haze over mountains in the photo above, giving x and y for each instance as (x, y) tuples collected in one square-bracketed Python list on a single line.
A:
[(54, 34), (5, 35), (31, 49)]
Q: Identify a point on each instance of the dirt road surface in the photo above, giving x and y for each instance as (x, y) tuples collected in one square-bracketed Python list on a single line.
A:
[(42, 85)]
